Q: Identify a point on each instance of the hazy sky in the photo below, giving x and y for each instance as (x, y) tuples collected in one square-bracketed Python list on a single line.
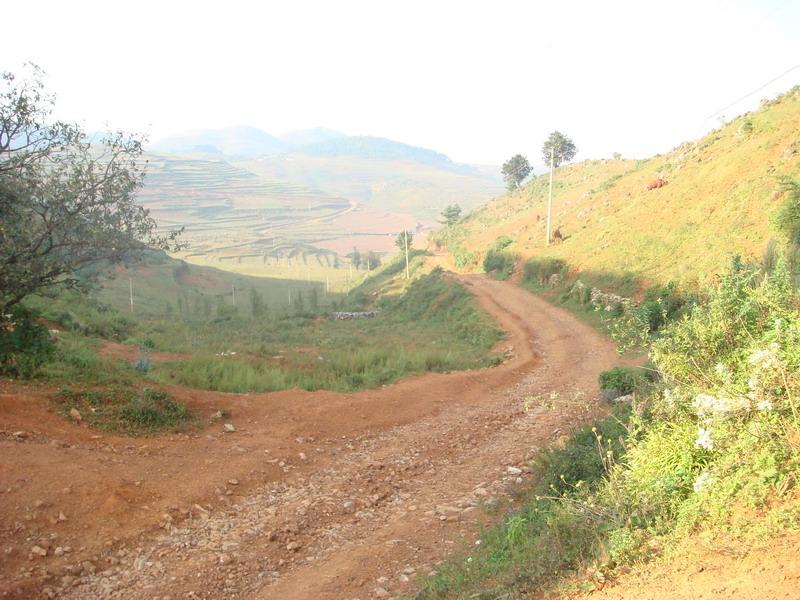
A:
[(478, 81)]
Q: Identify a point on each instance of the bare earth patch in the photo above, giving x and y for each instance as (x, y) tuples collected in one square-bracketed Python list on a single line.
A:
[(313, 495)]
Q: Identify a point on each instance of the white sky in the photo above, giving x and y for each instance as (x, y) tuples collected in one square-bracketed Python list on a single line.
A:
[(479, 81)]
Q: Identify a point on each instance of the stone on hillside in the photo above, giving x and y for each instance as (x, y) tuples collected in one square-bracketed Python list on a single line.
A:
[(75, 414), (228, 428)]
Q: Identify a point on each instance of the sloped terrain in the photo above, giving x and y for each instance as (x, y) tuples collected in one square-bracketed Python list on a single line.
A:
[(313, 495), (715, 200)]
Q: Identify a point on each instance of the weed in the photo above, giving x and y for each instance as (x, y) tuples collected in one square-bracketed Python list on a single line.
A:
[(128, 411)]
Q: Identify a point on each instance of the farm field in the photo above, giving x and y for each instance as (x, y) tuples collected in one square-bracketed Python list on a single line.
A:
[(298, 216)]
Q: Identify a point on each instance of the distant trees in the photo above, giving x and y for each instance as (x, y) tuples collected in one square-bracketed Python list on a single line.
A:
[(562, 148), (451, 214), (355, 258), (65, 204), (515, 170), (373, 260), (257, 306), (402, 237)]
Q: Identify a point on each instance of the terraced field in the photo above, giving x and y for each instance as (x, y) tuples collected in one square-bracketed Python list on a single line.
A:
[(298, 216)]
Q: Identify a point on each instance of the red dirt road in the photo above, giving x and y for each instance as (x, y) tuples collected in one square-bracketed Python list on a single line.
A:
[(315, 495)]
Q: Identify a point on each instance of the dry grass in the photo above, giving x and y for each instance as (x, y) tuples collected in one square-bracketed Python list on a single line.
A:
[(720, 194)]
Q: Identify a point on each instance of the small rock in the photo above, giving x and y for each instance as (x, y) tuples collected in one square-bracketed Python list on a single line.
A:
[(228, 428), (303, 456), (514, 471), (224, 559), (381, 592), (38, 551), (293, 546), (62, 517), (75, 414), (59, 551), (233, 481), (226, 546), (20, 434), (216, 416)]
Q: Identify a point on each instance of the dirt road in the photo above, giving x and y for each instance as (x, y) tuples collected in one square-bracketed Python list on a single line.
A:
[(314, 495)]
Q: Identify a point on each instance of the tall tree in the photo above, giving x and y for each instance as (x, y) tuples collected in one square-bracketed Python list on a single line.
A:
[(355, 258), (515, 170), (451, 214), (402, 238), (65, 204), (562, 147)]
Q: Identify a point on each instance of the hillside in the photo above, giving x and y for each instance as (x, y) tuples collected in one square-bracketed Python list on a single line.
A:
[(305, 208), (720, 193)]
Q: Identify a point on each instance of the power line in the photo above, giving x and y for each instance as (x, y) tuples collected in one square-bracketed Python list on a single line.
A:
[(773, 80)]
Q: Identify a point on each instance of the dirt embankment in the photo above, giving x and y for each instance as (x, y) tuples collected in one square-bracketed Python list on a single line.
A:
[(314, 495)]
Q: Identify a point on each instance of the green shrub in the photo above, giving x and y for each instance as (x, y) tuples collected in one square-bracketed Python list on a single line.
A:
[(24, 344), (622, 379), (502, 243), (499, 264), (787, 217), (124, 410), (538, 271)]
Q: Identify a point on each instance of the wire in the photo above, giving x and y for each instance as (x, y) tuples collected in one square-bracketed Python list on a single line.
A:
[(753, 92)]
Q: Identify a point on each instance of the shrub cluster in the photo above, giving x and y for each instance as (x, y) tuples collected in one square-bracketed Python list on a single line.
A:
[(719, 432), (538, 271)]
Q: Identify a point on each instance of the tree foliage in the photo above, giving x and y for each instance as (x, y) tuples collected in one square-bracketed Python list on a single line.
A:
[(355, 257), (515, 170), (563, 148), (400, 240), (66, 203), (451, 214)]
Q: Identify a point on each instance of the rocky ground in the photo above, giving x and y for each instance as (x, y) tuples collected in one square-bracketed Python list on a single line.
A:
[(296, 494)]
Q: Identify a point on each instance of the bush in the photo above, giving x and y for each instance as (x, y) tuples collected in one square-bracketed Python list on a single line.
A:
[(502, 243), (133, 412), (538, 271), (24, 344), (787, 218), (499, 264), (622, 379)]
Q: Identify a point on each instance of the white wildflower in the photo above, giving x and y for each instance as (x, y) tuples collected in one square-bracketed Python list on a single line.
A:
[(764, 405), (708, 405), (764, 359), (703, 482), (704, 439)]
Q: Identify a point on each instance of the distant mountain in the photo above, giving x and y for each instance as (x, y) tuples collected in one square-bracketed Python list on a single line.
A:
[(244, 142), (376, 148), (315, 135), (239, 141)]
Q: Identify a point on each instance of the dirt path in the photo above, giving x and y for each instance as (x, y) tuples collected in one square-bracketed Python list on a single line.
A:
[(315, 495)]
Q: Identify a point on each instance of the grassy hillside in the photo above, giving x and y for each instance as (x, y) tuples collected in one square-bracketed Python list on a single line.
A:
[(297, 215), (720, 193)]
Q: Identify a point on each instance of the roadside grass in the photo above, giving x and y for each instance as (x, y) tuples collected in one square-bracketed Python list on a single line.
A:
[(435, 326), (128, 411), (75, 359), (711, 448)]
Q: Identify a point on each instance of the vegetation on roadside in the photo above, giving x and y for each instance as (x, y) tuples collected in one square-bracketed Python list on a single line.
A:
[(714, 438), (434, 326), (123, 410)]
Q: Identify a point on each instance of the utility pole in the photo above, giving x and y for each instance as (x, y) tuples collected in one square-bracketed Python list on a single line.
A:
[(130, 283), (233, 293), (405, 235), (327, 284), (550, 195)]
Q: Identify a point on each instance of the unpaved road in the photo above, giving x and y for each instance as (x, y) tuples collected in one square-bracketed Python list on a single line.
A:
[(315, 495)]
